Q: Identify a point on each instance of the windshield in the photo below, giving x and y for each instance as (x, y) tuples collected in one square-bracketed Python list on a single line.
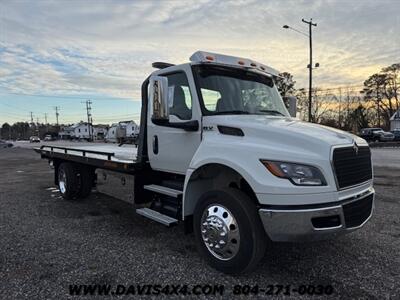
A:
[(226, 90)]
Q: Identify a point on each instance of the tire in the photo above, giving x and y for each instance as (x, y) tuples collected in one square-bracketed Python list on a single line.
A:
[(86, 180), (247, 231), (68, 181)]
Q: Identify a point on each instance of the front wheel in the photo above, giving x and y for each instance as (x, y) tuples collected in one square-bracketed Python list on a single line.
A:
[(228, 231)]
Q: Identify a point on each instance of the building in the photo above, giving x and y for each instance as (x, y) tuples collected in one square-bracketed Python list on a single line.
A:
[(395, 120), (79, 131), (99, 132), (66, 133), (124, 131), (132, 129)]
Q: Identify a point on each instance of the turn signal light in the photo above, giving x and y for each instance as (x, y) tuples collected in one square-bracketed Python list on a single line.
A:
[(273, 168)]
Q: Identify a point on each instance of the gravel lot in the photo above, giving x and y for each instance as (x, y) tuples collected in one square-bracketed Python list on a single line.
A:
[(47, 243)]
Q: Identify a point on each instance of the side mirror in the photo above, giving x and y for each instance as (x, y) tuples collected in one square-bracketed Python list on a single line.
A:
[(158, 94), (291, 105)]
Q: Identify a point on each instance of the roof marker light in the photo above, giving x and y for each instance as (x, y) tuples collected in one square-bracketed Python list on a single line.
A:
[(240, 62), (208, 57), (253, 64), (262, 68)]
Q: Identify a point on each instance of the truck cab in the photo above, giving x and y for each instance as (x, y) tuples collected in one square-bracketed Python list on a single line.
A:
[(219, 151)]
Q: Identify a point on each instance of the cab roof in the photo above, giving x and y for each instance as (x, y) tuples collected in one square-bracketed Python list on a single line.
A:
[(227, 60), (202, 57)]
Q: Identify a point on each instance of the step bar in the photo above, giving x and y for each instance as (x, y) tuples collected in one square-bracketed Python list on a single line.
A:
[(163, 190), (156, 216)]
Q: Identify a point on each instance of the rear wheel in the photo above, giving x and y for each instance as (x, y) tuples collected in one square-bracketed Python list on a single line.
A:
[(86, 181), (228, 231), (68, 181)]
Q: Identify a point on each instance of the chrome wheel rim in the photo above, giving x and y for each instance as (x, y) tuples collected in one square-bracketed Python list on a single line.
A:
[(220, 232), (62, 181)]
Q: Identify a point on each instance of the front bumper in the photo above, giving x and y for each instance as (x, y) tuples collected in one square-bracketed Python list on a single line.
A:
[(318, 222)]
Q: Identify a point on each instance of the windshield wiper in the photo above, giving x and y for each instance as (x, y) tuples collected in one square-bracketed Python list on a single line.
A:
[(271, 111), (234, 112)]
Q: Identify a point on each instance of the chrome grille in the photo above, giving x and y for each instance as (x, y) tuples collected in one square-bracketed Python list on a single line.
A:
[(352, 166)]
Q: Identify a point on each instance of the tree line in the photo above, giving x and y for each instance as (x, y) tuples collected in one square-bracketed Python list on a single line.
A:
[(24, 130), (353, 107)]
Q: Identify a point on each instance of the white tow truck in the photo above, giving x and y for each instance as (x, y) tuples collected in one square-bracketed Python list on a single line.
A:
[(219, 152)]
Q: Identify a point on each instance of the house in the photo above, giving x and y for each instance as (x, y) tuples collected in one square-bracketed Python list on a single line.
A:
[(395, 120), (99, 132), (124, 131), (81, 130), (66, 133), (132, 130), (115, 133)]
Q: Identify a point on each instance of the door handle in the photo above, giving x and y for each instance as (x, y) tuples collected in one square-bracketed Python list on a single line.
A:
[(155, 144)]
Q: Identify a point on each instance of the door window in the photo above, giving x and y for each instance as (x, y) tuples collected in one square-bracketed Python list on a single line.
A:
[(179, 97)]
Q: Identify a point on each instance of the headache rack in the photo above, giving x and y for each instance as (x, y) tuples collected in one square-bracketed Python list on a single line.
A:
[(94, 158)]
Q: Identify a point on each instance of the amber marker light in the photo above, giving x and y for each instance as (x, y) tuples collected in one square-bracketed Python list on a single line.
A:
[(273, 168)]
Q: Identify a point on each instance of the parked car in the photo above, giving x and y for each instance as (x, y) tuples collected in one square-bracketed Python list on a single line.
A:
[(4, 144), (376, 135), (396, 133), (34, 139), (49, 137)]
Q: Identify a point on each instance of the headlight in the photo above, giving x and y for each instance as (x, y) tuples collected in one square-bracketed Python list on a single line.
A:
[(298, 174)]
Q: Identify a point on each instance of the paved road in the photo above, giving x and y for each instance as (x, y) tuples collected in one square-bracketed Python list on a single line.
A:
[(386, 157), (47, 243)]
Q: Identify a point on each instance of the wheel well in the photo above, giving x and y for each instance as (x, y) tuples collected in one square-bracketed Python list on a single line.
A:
[(210, 177)]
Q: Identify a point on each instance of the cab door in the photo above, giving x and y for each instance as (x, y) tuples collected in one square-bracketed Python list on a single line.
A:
[(171, 149)]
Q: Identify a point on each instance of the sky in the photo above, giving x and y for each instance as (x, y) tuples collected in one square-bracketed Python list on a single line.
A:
[(61, 53)]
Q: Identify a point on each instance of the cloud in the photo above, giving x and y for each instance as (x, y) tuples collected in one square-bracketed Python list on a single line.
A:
[(106, 48)]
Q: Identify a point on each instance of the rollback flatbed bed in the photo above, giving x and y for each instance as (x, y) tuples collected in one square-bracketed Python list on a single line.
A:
[(114, 158)]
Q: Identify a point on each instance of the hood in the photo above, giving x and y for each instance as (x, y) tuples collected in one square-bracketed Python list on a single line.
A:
[(287, 133)]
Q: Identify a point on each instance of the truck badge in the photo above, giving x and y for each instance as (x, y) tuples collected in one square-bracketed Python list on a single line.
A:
[(355, 147)]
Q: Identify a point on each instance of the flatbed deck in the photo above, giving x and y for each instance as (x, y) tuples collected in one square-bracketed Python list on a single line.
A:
[(113, 157)]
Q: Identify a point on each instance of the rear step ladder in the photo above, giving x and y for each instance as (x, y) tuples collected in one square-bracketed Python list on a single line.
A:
[(163, 190), (156, 216)]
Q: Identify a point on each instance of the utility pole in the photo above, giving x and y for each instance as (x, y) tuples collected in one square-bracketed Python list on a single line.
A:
[(89, 117), (57, 114), (31, 117), (45, 118), (340, 108), (310, 67), (378, 98)]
